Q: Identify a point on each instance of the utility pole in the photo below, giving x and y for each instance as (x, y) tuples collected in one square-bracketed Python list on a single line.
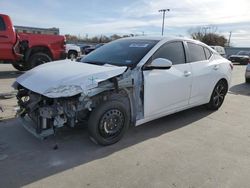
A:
[(163, 19), (229, 40), (206, 28)]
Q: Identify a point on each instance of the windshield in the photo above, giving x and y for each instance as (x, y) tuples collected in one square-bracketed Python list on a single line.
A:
[(243, 53), (120, 52)]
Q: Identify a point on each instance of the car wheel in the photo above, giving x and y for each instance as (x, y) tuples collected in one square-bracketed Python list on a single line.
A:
[(38, 59), (247, 80), (218, 95), (72, 55), (108, 122)]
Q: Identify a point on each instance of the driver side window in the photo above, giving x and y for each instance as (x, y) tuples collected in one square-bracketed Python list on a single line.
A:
[(173, 51)]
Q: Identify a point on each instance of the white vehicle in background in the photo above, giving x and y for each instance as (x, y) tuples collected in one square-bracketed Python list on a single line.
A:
[(126, 82), (73, 51), (220, 50)]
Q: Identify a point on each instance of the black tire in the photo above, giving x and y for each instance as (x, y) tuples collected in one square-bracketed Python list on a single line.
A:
[(218, 95), (108, 122), (19, 66), (72, 54), (247, 80), (38, 59)]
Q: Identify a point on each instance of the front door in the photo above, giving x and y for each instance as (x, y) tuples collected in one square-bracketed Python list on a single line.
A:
[(167, 90)]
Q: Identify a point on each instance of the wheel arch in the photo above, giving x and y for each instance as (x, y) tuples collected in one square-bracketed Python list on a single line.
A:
[(221, 79), (75, 51), (225, 81), (123, 95), (72, 51), (37, 49)]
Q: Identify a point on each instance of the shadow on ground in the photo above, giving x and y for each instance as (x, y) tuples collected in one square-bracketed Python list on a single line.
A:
[(9, 74), (27, 159), (241, 89)]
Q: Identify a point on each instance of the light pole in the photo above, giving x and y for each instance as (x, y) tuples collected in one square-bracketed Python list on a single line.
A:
[(229, 40), (163, 19)]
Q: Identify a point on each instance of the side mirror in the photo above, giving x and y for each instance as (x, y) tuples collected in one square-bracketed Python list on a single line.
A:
[(159, 63)]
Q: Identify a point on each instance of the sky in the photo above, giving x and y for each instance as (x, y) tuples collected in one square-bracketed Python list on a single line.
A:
[(107, 17)]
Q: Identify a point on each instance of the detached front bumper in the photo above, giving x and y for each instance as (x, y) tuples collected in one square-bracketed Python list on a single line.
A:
[(34, 128)]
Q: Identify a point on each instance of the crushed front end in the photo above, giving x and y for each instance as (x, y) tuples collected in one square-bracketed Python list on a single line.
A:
[(41, 115)]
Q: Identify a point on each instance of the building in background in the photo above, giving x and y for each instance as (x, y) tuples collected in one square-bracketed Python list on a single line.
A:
[(36, 30)]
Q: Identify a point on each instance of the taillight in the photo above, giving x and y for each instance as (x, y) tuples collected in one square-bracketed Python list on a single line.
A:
[(64, 43), (231, 66)]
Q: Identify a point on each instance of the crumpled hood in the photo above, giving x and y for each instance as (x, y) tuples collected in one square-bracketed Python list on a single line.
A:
[(75, 76)]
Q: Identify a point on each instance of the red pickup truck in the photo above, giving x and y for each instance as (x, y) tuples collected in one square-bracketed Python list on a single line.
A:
[(26, 51)]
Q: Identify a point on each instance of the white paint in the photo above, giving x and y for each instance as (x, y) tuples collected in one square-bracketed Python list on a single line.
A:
[(72, 47), (53, 75), (166, 90), (182, 86)]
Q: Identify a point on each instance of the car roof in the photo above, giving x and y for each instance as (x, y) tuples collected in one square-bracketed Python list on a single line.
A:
[(160, 38)]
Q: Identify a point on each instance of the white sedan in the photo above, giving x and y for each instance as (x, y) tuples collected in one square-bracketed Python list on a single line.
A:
[(126, 82)]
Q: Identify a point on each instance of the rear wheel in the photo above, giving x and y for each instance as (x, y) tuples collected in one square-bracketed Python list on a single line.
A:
[(108, 122), (247, 80), (218, 95), (38, 59)]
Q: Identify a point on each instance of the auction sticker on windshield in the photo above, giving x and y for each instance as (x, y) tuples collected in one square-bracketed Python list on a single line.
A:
[(134, 45)]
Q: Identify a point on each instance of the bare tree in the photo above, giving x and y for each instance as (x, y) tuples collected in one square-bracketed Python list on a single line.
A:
[(208, 35)]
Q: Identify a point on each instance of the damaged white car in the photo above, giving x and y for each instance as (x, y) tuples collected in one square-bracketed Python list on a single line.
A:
[(126, 82)]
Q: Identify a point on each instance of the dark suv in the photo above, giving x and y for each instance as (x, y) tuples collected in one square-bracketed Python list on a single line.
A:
[(241, 57)]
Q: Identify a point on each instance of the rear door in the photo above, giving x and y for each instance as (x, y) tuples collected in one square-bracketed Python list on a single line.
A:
[(6, 41), (204, 72)]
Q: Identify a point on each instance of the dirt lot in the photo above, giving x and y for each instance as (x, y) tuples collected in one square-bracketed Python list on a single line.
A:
[(194, 148)]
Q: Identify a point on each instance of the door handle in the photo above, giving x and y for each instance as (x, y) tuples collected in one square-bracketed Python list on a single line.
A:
[(216, 67), (187, 73), (3, 36)]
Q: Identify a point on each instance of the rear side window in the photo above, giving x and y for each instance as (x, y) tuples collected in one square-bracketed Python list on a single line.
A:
[(173, 51), (2, 24), (196, 52), (208, 53)]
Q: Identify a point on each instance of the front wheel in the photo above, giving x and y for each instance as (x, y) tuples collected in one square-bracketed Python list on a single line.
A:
[(108, 122), (218, 95)]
